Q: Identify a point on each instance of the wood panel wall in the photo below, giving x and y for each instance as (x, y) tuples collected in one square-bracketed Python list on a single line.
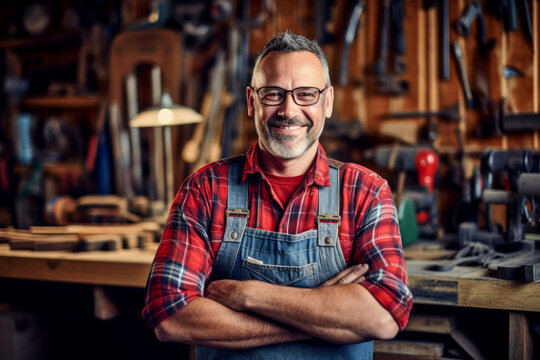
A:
[(357, 100)]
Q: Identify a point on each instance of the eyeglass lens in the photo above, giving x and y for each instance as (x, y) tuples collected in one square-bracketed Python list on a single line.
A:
[(273, 95)]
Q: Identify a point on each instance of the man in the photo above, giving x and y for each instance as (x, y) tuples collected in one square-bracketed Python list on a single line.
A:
[(281, 253)]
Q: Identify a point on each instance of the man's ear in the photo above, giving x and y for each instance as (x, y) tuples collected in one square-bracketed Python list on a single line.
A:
[(250, 97), (329, 101)]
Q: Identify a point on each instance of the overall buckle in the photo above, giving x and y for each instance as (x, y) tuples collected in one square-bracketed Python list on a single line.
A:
[(329, 218), (237, 212)]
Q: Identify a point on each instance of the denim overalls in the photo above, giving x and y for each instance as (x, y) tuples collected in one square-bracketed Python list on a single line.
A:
[(304, 260)]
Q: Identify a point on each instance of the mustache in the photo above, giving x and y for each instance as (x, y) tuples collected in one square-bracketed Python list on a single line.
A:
[(281, 121)]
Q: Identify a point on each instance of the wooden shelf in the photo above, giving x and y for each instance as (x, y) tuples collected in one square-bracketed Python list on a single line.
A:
[(61, 102), (56, 169)]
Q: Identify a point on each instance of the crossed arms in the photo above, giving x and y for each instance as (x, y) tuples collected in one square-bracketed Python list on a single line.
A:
[(245, 314)]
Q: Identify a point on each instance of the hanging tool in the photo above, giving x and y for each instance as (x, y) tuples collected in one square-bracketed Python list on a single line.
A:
[(396, 17), (388, 83), (350, 34), (463, 26), (500, 122), (458, 54), (451, 113), (444, 39)]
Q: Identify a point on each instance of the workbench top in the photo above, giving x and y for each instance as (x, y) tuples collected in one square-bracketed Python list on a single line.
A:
[(467, 286), (120, 267)]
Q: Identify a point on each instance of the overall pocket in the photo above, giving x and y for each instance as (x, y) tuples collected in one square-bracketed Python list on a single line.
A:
[(305, 276)]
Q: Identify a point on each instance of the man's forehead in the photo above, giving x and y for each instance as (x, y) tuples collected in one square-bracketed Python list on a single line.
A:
[(303, 65)]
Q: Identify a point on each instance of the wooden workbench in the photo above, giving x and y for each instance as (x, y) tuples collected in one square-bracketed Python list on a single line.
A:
[(463, 286), (117, 268)]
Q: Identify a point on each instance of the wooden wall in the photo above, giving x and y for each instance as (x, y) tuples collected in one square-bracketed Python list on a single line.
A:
[(359, 101)]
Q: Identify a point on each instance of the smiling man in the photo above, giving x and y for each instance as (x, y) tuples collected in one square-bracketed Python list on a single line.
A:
[(281, 253)]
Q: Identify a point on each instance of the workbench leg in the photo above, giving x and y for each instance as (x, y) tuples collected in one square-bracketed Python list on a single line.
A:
[(520, 343)]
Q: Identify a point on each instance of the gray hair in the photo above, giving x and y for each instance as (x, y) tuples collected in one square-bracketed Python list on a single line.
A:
[(289, 42)]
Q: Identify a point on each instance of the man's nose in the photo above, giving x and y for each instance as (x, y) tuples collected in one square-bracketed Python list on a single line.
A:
[(288, 108)]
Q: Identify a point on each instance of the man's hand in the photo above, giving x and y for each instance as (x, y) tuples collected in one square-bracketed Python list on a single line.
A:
[(354, 274), (228, 293)]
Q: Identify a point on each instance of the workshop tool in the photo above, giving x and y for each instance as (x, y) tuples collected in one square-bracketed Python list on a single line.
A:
[(408, 226), (514, 163), (473, 253), (451, 113), (444, 39), (505, 10), (468, 232), (526, 23), (471, 13), (463, 26), (421, 161), (426, 162), (498, 122), (458, 55), (444, 35), (396, 17), (388, 83), (350, 34), (384, 28), (523, 265), (529, 185)]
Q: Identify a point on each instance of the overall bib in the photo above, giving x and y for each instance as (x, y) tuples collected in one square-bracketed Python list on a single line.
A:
[(304, 260)]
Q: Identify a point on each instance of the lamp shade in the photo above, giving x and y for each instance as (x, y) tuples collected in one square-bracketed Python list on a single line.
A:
[(168, 114)]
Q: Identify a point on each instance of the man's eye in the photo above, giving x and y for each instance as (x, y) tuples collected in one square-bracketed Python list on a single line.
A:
[(274, 95), (305, 95)]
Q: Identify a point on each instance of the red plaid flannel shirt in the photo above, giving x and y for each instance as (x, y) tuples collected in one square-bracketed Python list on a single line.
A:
[(369, 231)]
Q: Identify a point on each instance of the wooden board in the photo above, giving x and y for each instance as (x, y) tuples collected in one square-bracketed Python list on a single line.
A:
[(418, 348), (121, 268), (470, 287)]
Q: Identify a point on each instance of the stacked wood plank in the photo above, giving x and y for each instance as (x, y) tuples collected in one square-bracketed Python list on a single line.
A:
[(81, 237)]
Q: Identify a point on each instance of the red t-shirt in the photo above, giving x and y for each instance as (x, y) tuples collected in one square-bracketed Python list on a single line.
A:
[(284, 186)]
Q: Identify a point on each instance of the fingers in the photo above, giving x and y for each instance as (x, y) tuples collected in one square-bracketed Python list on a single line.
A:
[(353, 274)]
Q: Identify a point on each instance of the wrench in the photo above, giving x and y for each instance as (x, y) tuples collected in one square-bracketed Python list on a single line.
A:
[(458, 54)]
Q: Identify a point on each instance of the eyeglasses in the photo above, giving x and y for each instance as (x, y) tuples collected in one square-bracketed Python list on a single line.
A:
[(274, 95)]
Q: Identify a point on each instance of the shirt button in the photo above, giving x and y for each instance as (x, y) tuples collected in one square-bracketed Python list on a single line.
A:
[(234, 235), (328, 240)]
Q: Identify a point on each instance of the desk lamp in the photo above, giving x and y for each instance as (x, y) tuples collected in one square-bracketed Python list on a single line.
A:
[(163, 117)]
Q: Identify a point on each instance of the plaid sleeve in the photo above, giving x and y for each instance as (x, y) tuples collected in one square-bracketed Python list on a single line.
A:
[(182, 260), (379, 244)]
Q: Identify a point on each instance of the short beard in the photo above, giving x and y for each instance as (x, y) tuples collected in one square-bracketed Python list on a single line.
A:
[(277, 145)]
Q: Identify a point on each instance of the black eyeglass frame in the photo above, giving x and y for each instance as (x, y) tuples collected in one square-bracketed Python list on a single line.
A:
[(289, 91)]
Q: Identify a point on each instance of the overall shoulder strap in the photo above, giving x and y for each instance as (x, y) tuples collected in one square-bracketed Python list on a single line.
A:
[(236, 217), (328, 218)]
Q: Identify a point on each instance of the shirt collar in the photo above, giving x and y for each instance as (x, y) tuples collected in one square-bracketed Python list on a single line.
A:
[(318, 174)]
